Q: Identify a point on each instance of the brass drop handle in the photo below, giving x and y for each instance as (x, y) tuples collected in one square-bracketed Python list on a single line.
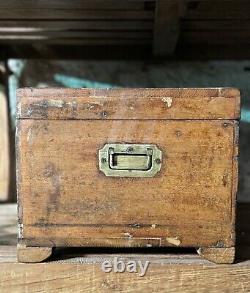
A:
[(130, 160)]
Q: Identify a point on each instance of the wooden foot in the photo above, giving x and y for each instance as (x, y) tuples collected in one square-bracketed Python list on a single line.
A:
[(32, 254), (218, 255)]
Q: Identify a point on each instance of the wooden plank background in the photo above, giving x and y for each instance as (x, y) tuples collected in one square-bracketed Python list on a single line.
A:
[(173, 276), (163, 27), (77, 22)]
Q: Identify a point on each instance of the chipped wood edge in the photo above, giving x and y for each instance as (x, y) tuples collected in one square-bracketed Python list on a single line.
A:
[(27, 254), (56, 103), (217, 255), (227, 92), (235, 179), (18, 180)]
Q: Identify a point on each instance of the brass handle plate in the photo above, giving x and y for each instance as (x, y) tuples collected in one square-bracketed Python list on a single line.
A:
[(130, 160)]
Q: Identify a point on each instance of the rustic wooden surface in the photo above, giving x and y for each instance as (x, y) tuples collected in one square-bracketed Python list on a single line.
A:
[(167, 26), (79, 22), (4, 149), (174, 274), (218, 255), (58, 169), (32, 254), (56, 202), (79, 270), (211, 103), (150, 26)]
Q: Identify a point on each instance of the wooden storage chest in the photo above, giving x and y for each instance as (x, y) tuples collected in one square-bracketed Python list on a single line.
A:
[(127, 167)]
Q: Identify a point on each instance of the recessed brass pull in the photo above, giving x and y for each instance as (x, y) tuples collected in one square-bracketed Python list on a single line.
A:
[(130, 160)]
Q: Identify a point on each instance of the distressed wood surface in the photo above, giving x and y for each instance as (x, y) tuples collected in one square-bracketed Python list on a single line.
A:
[(78, 270), (4, 149), (65, 200), (213, 103), (165, 273), (8, 230), (32, 254), (218, 255), (192, 192)]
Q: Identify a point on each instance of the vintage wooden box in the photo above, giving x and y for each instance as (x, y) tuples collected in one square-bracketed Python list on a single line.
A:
[(127, 168)]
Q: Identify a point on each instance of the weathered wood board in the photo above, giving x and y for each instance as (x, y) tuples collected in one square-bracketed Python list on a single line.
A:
[(65, 200), (145, 104), (166, 273), (79, 270)]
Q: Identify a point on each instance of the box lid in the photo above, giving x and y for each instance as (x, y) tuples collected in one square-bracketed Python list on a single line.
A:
[(127, 103)]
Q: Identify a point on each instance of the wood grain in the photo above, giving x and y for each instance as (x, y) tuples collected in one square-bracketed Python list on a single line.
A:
[(218, 255), (80, 269), (69, 14), (8, 224), (32, 254), (184, 33), (167, 26), (166, 273), (65, 200), (41, 40), (214, 103), (58, 165)]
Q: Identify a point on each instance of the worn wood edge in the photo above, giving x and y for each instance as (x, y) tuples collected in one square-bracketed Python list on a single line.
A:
[(237, 107), (105, 107), (27, 254), (235, 179), (118, 242), (18, 180), (218, 255), (113, 92), (98, 104)]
